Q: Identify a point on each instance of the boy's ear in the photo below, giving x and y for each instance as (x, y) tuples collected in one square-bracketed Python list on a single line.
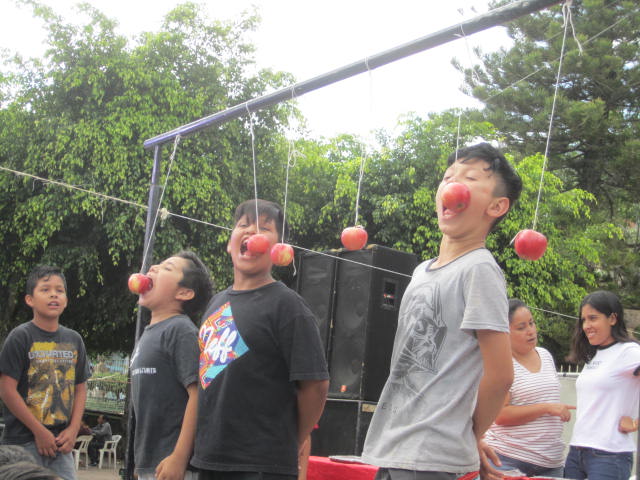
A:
[(185, 294), (498, 207), (28, 299)]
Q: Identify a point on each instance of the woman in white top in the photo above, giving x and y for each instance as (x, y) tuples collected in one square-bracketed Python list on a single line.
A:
[(527, 433), (608, 391)]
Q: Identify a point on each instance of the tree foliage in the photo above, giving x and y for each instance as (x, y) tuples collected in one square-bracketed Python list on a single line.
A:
[(594, 141), (80, 116)]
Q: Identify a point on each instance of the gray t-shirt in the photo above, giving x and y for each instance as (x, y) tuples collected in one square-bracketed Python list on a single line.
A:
[(423, 420), (164, 363)]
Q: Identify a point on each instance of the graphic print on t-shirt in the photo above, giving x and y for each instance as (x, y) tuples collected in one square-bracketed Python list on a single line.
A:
[(421, 350), (220, 344), (51, 381)]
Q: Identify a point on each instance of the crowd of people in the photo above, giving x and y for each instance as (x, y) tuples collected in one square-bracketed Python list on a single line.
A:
[(237, 398)]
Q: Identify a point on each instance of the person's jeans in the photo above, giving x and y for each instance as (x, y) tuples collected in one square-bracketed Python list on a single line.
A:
[(62, 464), (584, 462), (529, 469)]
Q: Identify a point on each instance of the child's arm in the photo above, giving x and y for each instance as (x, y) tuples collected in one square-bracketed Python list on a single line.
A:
[(312, 395), (45, 441), (67, 438), (174, 466), (495, 348)]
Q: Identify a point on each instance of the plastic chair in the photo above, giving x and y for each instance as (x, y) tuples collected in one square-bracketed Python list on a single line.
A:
[(110, 449), (82, 443)]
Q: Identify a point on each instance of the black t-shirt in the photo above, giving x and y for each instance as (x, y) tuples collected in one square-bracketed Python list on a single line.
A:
[(47, 367), (164, 363), (254, 345)]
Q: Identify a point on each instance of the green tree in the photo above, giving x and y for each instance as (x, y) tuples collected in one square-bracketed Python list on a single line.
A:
[(80, 116), (594, 140)]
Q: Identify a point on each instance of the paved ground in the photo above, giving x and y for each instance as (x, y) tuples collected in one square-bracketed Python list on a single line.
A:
[(94, 473)]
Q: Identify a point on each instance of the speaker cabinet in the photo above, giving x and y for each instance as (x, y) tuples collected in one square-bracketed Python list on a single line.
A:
[(369, 285), (316, 277), (342, 428)]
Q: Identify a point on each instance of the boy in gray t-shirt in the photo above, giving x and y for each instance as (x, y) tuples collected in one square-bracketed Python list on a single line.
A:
[(164, 368), (451, 364)]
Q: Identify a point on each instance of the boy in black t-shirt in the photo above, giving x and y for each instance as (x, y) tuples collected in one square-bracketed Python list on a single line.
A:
[(164, 368), (263, 376), (43, 374)]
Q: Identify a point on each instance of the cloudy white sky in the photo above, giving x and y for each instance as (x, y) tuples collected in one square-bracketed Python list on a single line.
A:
[(310, 38)]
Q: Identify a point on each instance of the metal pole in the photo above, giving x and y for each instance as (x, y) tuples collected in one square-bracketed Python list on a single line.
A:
[(142, 318), (490, 19)]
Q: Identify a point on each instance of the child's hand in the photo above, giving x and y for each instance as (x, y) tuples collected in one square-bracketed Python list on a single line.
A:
[(66, 440), (45, 443), (627, 425), (487, 457), (171, 468)]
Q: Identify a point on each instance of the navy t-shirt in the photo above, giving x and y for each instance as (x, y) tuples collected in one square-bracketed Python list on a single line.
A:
[(47, 367), (164, 364), (254, 345)]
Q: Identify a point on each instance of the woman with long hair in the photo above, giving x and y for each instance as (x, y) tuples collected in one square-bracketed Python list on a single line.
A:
[(607, 389)]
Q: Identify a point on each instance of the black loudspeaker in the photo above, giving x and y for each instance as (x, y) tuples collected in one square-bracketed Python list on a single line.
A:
[(342, 428), (369, 285), (316, 277)]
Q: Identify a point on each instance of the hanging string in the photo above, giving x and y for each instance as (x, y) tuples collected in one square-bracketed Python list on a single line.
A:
[(363, 157), (253, 159), (290, 162), (176, 141), (565, 13)]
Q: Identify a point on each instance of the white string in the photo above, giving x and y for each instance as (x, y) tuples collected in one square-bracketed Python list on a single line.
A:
[(363, 157), (176, 141), (253, 158), (553, 109)]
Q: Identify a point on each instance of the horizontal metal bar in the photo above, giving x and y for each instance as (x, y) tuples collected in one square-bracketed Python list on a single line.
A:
[(487, 20)]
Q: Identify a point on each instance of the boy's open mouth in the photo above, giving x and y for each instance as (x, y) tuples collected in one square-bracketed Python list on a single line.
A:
[(243, 247)]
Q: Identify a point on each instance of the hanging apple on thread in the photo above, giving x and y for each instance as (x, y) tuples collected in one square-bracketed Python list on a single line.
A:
[(258, 243), (354, 238), (282, 254), (455, 196), (530, 245), (140, 283)]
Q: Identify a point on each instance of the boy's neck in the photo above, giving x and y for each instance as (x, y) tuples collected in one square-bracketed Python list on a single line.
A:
[(158, 316), (46, 324), (243, 282), (451, 248)]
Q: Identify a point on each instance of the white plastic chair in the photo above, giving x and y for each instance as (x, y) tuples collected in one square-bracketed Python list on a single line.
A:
[(82, 443), (110, 449)]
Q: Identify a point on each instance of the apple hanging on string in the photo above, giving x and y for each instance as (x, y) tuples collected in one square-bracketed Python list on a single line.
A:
[(140, 283), (529, 244), (455, 196), (282, 254), (354, 238), (258, 243)]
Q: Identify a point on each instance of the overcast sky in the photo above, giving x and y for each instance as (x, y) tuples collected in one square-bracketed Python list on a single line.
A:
[(311, 38)]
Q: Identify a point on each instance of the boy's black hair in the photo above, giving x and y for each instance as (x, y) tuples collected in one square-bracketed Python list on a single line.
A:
[(270, 210), (195, 276), (606, 303), (26, 470), (515, 304), (508, 184), (43, 271), (13, 454)]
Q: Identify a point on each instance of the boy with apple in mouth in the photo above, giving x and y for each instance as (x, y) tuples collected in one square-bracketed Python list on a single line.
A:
[(451, 365), (263, 374), (44, 370), (164, 368)]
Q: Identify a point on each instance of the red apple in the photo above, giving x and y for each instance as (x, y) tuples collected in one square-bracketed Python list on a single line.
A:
[(354, 238), (140, 283), (281, 254), (455, 196), (530, 245), (258, 243)]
